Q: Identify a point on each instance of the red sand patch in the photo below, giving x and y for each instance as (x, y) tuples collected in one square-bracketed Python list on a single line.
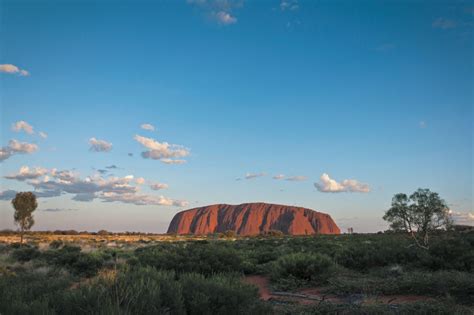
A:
[(262, 284), (307, 296)]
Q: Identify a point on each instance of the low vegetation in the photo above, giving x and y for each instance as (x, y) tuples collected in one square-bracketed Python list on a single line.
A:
[(206, 276)]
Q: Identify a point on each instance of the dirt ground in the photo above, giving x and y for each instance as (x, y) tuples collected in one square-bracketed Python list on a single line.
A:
[(307, 296)]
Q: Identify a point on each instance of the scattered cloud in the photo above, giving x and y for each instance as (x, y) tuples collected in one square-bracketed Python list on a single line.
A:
[(43, 134), (254, 175), (291, 5), (58, 209), (22, 147), (130, 154), (444, 23), (99, 145), (279, 176), (12, 69), (159, 186), (148, 127), (17, 147), (163, 151), (53, 183), (141, 200), (26, 173), (220, 11), (225, 18), (23, 126), (171, 161), (422, 124), (327, 184), (7, 194), (111, 167), (140, 181), (462, 218), (297, 178)]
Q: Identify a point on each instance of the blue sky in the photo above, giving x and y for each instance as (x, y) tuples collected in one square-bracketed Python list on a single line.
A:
[(380, 92)]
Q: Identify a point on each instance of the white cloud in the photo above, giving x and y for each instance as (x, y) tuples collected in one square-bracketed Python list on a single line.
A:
[(16, 147), (170, 161), (23, 126), (43, 134), (291, 5), (141, 200), (12, 69), (462, 218), (99, 145), (5, 153), (278, 177), (328, 184), (148, 127), (225, 18), (297, 178), (26, 173), (163, 151), (422, 124), (444, 23), (159, 186), (254, 175), (220, 11), (22, 147), (53, 183), (140, 181), (7, 194), (58, 209)]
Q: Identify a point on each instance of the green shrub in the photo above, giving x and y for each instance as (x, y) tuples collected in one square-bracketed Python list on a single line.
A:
[(138, 291), (220, 294), (302, 268), (200, 257), (55, 244), (459, 285), (25, 253), (31, 293), (71, 258), (422, 308)]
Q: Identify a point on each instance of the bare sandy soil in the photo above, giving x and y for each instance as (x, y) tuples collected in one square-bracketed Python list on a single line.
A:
[(316, 295)]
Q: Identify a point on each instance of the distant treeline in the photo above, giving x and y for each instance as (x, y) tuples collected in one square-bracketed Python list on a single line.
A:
[(229, 233)]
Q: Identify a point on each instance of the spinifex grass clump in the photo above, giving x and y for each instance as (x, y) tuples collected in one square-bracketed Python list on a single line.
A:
[(301, 269)]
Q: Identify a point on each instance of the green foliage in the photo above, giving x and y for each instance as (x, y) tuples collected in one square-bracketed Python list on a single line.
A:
[(55, 244), (24, 204), (203, 277), (133, 291), (71, 258), (200, 257), (25, 253), (31, 293), (219, 294), (302, 268), (459, 285), (420, 214), (138, 291), (425, 308)]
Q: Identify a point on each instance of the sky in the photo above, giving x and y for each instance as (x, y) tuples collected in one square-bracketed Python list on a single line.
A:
[(119, 114)]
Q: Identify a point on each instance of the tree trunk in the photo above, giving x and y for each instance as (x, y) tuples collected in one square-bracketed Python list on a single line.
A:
[(21, 237)]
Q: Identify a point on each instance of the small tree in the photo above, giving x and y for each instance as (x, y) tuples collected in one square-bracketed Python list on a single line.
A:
[(24, 204), (419, 214)]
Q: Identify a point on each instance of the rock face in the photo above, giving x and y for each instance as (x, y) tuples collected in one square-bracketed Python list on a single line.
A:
[(252, 219)]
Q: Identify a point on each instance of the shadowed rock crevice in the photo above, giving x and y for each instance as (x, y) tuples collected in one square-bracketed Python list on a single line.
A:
[(252, 219)]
